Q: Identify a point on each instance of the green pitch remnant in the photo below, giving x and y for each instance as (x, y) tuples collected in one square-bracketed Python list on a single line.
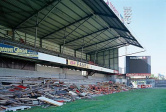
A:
[(143, 100)]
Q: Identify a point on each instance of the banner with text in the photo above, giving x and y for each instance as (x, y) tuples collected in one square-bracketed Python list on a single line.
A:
[(78, 64), (144, 86), (8, 49)]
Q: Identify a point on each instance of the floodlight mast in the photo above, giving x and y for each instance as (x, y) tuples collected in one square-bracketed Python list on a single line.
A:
[(127, 14), (127, 18)]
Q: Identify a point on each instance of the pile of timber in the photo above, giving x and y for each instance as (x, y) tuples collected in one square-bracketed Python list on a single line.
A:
[(45, 92)]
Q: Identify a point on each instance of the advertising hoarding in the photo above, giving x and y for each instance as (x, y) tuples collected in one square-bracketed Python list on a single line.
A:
[(88, 66), (78, 64), (51, 58), (8, 49)]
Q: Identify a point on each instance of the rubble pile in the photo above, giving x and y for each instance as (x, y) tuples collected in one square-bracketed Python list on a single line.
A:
[(45, 92)]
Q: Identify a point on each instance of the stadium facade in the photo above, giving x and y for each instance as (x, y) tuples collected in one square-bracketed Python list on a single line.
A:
[(65, 39)]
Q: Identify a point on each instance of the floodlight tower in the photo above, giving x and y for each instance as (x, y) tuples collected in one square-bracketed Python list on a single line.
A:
[(127, 14), (127, 18)]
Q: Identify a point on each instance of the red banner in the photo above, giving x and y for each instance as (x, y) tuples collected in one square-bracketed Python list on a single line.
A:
[(144, 86)]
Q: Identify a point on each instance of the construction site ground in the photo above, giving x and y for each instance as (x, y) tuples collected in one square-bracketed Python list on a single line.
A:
[(140, 100)]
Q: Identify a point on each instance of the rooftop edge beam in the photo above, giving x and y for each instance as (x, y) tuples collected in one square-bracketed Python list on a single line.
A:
[(107, 15), (67, 26), (34, 13), (135, 44), (114, 14), (133, 39)]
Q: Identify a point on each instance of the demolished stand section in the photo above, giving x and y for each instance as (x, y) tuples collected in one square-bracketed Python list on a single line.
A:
[(46, 92)]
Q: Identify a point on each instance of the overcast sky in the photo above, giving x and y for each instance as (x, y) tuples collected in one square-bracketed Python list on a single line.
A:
[(149, 27)]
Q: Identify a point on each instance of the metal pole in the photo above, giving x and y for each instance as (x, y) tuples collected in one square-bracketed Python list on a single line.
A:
[(86, 57), (81, 53), (13, 34), (126, 50), (17, 33), (95, 58), (90, 57), (103, 58), (36, 29), (113, 60), (82, 49), (109, 59), (25, 38), (40, 42), (60, 49), (63, 45), (95, 54), (75, 53), (64, 41)]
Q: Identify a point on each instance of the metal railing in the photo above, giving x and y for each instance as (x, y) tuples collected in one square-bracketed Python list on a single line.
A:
[(6, 39)]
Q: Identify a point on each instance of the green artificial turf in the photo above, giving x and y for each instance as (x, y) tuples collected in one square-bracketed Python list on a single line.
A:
[(143, 100)]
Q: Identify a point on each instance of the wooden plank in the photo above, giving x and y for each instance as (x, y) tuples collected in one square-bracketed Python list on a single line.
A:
[(18, 108), (50, 101)]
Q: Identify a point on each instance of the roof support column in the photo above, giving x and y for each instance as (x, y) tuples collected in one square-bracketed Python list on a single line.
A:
[(103, 58), (36, 30), (90, 57), (40, 42), (82, 49), (95, 58), (109, 59), (75, 53), (95, 55), (113, 59), (60, 48), (16, 33), (82, 53), (86, 56), (25, 38), (13, 32), (64, 41)]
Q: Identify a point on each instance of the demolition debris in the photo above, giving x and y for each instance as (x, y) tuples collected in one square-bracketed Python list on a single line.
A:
[(45, 92)]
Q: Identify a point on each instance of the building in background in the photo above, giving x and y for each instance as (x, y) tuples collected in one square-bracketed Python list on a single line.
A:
[(161, 77)]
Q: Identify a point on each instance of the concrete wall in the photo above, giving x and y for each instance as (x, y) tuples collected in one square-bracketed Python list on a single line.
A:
[(72, 74), (66, 75), (26, 73), (57, 70)]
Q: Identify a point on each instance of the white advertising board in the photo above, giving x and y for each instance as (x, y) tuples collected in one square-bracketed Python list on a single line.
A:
[(47, 57)]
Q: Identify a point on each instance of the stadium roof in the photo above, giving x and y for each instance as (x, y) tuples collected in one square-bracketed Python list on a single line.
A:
[(78, 24)]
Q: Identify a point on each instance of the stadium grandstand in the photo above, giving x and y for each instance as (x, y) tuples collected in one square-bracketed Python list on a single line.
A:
[(65, 39)]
